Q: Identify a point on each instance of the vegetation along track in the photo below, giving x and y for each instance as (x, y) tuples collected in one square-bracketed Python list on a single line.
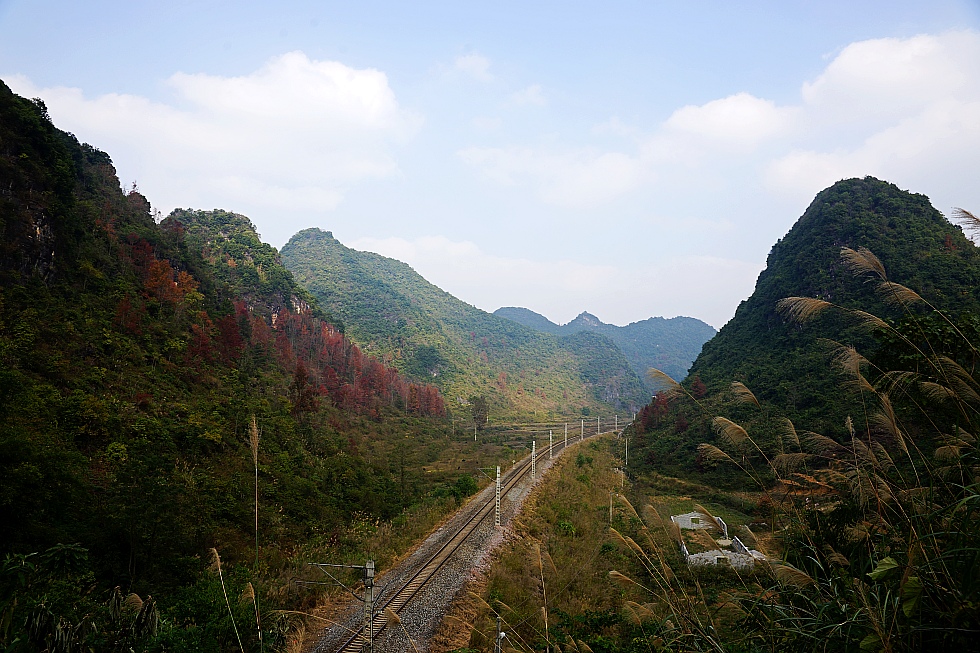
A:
[(430, 566)]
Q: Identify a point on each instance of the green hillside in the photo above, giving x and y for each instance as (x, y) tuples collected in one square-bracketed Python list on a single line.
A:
[(529, 318), (246, 267), (784, 361), (669, 345), (865, 496), (788, 365), (390, 310), (134, 357)]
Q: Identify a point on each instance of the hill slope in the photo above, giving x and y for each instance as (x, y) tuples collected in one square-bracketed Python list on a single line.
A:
[(784, 363), (392, 311), (670, 345), (133, 358)]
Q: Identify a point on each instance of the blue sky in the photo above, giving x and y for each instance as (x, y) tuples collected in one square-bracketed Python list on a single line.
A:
[(626, 158)]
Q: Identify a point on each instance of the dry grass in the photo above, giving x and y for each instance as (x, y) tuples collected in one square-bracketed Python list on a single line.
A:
[(699, 541), (555, 553)]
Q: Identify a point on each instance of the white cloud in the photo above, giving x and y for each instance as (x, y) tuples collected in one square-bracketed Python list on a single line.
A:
[(918, 100), (570, 179), (532, 95), (907, 110), (293, 135), (740, 120), (891, 77), (475, 65), (706, 287)]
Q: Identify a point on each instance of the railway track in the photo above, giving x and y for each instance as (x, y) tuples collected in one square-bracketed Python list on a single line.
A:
[(416, 581)]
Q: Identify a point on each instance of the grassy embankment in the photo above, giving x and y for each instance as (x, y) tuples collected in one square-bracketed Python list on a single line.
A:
[(551, 583)]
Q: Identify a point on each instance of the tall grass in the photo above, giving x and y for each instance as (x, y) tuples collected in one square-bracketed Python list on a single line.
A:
[(880, 531), (253, 441)]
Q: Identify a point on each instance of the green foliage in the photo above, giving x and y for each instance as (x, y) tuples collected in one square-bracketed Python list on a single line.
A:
[(479, 409), (251, 270), (431, 335), (878, 531), (603, 367), (133, 357), (785, 362), (47, 603), (465, 486)]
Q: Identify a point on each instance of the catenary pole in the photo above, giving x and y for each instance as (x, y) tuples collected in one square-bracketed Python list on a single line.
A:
[(534, 449)]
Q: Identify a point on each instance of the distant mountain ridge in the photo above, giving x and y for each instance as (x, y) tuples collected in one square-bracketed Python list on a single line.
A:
[(390, 310), (670, 345)]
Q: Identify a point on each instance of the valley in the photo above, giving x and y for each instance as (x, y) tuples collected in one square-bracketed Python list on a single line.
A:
[(195, 420)]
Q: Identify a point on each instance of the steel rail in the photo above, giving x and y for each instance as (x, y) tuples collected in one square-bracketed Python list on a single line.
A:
[(397, 601)]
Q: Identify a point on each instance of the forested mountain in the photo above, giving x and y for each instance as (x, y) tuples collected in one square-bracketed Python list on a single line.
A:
[(390, 309), (669, 345), (134, 357), (790, 366), (916, 244)]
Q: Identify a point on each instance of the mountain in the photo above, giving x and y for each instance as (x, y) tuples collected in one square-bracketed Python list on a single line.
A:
[(670, 345), (134, 357), (247, 268), (390, 310), (789, 366), (529, 318)]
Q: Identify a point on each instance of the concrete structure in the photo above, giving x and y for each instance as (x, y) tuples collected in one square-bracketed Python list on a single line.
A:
[(732, 552)]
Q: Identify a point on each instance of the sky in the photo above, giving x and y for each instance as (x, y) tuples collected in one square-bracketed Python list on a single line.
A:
[(630, 159)]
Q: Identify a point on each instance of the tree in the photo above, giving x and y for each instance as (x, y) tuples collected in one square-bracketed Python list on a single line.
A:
[(480, 410)]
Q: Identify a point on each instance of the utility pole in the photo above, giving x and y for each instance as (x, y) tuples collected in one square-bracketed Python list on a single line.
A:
[(496, 512), (598, 421), (566, 435), (367, 570), (627, 453), (534, 449), (582, 437), (498, 645), (616, 428), (551, 443), (369, 603)]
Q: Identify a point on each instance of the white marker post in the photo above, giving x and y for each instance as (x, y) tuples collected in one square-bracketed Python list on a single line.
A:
[(496, 512), (534, 449)]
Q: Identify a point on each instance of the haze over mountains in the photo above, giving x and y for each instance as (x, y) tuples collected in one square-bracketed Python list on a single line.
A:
[(669, 345)]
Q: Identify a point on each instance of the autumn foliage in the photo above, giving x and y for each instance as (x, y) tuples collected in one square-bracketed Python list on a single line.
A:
[(326, 366)]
